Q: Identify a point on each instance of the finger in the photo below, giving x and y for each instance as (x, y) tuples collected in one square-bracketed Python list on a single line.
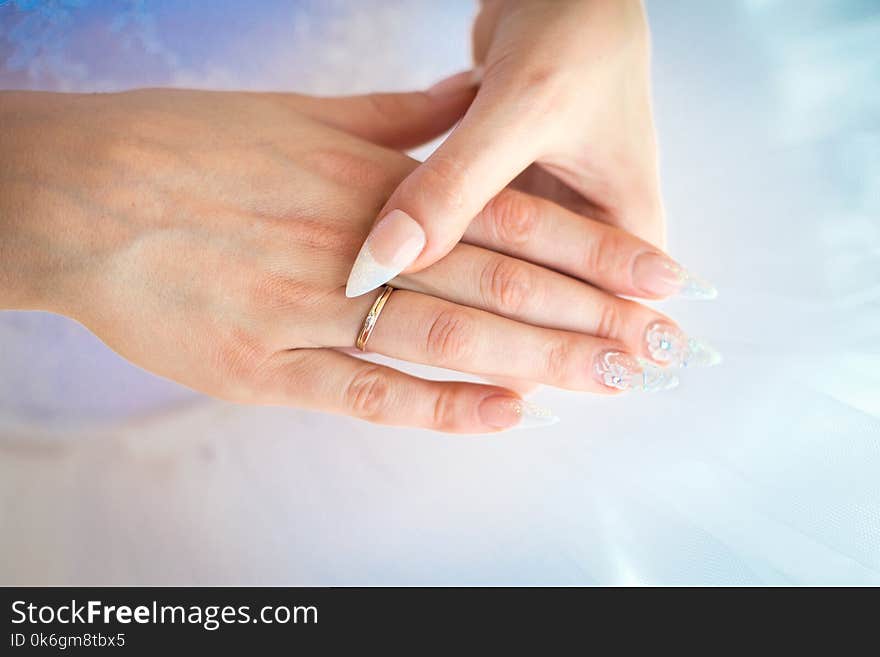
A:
[(542, 232), (396, 120), (326, 380), (499, 136), (424, 329), (512, 288)]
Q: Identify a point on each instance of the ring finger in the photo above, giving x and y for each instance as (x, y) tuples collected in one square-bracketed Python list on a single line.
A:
[(424, 329)]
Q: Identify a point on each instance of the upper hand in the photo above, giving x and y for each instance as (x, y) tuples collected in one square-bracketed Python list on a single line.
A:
[(564, 93)]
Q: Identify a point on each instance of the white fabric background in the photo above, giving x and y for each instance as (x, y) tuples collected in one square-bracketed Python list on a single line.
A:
[(764, 470)]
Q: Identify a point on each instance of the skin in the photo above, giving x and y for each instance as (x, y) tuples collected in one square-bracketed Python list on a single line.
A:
[(206, 236), (563, 112)]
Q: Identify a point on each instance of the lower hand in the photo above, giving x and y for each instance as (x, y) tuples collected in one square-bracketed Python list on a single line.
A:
[(205, 236)]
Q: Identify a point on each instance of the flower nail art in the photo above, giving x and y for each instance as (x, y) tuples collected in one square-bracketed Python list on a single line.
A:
[(668, 345), (622, 371)]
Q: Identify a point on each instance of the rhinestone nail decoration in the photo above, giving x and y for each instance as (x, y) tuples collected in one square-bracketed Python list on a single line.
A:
[(670, 346)]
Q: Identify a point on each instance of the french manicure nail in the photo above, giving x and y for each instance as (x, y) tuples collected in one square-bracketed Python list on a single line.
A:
[(394, 243), (623, 371), (668, 345), (454, 84), (660, 275), (505, 412)]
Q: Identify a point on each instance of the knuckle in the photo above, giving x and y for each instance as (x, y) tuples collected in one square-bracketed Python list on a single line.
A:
[(368, 393), (444, 176), (445, 415), (557, 360), (610, 320), (514, 218), (545, 86), (343, 166), (238, 360), (506, 284), (274, 291), (602, 254), (450, 337)]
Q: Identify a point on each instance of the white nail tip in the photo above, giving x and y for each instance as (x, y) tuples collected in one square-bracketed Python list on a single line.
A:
[(532, 416), (393, 245), (694, 287), (367, 274)]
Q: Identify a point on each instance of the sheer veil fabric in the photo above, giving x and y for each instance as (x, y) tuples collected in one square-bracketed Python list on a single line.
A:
[(761, 471)]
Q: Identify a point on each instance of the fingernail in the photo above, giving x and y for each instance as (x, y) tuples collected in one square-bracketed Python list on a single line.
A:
[(454, 84), (505, 412), (660, 275), (393, 244), (623, 371), (669, 345)]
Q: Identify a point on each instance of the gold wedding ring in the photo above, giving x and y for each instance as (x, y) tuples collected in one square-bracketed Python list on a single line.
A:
[(372, 317)]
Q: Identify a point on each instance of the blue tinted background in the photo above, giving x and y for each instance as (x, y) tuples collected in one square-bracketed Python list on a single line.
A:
[(764, 470)]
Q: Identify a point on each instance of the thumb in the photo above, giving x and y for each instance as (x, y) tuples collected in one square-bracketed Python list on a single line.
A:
[(396, 120), (428, 213)]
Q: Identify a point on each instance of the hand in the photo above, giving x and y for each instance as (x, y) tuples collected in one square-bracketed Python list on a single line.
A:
[(566, 86), (205, 237)]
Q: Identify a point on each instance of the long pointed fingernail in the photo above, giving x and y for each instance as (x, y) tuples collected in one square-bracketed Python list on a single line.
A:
[(623, 371), (394, 243), (660, 275), (669, 345), (505, 412)]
